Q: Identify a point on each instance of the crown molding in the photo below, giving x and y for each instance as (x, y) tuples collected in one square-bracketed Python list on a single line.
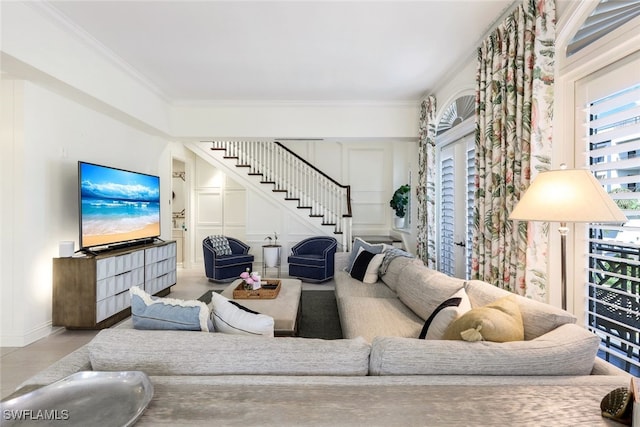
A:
[(47, 9), (473, 53), (292, 103)]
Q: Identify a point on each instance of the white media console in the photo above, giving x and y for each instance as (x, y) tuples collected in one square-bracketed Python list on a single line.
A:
[(92, 291)]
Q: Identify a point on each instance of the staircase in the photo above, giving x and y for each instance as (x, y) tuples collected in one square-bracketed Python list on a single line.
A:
[(281, 171)]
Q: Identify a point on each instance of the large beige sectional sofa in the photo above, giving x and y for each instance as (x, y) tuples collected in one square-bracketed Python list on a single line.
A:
[(391, 313), (204, 378), (378, 375)]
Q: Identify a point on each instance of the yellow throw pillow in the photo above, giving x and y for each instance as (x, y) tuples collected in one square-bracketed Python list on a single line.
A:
[(499, 321)]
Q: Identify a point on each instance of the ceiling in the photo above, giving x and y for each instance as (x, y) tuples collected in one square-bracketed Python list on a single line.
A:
[(305, 51)]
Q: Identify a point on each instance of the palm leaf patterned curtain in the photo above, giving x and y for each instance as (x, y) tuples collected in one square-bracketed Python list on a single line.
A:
[(514, 110), (426, 188)]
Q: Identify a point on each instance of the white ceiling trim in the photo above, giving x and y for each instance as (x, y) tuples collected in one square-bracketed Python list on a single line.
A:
[(63, 22), (278, 103), (473, 53)]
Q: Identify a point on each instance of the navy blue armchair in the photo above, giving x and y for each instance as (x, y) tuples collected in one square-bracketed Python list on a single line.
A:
[(312, 260), (226, 268)]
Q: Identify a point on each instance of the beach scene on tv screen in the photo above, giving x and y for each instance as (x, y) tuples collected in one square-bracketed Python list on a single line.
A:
[(118, 205)]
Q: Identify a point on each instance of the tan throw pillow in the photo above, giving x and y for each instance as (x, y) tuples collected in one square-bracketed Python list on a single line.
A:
[(499, 321)]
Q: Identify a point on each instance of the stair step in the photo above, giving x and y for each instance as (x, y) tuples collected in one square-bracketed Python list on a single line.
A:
[(278, 190)]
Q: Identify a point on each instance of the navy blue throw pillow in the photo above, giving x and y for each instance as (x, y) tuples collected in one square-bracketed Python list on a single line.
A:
[(360, 265)]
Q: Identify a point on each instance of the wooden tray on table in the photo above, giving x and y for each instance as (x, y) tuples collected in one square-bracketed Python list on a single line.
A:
[(269, 290)]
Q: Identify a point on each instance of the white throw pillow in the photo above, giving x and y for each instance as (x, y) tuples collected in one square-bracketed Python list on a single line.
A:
[(231, 318), (446, 313)]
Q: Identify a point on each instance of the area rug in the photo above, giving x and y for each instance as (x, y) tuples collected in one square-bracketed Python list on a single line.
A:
[(319, 314)]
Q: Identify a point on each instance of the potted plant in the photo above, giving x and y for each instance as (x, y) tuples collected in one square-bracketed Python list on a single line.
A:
[(399, 203), (271, 251)]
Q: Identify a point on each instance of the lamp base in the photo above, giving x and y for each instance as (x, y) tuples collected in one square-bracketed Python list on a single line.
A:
[(563, 261)]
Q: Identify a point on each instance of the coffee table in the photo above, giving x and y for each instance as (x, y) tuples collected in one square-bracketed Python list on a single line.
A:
[(285, 308)]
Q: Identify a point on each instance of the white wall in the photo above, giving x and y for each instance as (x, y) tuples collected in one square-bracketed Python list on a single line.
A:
[(11, 211), (368, 167), (219, 205), (48, 134), (462, 83), (297, 120), (373, 169), (177, 151), (92, 109), (266, 216), (38, 42)]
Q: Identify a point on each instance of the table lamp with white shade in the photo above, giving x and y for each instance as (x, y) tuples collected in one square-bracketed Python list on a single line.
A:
[(566, 195)]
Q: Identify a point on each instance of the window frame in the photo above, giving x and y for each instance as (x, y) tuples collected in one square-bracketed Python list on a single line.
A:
[(568, 136)]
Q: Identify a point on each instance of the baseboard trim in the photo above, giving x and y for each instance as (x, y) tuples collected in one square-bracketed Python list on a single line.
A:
[(32, 336)]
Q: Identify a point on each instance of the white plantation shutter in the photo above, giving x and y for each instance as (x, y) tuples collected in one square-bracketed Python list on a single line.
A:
[(456, 196), (613, 310), (606, 17), (471, 188), (447, 203), (455, 193)]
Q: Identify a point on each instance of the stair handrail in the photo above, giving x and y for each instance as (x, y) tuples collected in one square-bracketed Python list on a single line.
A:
[(250, 154), (347, 187)]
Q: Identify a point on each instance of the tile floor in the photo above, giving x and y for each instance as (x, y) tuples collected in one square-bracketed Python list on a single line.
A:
[(17, 364)]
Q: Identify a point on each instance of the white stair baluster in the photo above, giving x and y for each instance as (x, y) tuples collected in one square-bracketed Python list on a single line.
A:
[(322, 197)]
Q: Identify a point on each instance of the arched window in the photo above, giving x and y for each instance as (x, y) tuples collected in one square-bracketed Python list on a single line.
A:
[(606, 17)]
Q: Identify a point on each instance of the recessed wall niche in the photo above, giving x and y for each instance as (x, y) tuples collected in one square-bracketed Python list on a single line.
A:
[(178, 188)]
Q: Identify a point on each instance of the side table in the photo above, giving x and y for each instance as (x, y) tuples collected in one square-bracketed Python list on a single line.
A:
[(271, 258)]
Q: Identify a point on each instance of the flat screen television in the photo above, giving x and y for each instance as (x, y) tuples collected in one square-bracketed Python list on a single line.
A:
[(117, 206)]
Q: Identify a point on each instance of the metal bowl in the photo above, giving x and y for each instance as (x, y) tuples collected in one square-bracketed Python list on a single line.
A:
[(83, 399)]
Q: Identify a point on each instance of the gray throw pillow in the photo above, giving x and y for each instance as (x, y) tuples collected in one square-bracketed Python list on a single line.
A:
[(220, 245), (359, 243)]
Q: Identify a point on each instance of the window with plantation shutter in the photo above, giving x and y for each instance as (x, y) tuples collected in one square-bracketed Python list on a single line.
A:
[(455, 195), (613, 288), (455, 189), (447, 218)]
